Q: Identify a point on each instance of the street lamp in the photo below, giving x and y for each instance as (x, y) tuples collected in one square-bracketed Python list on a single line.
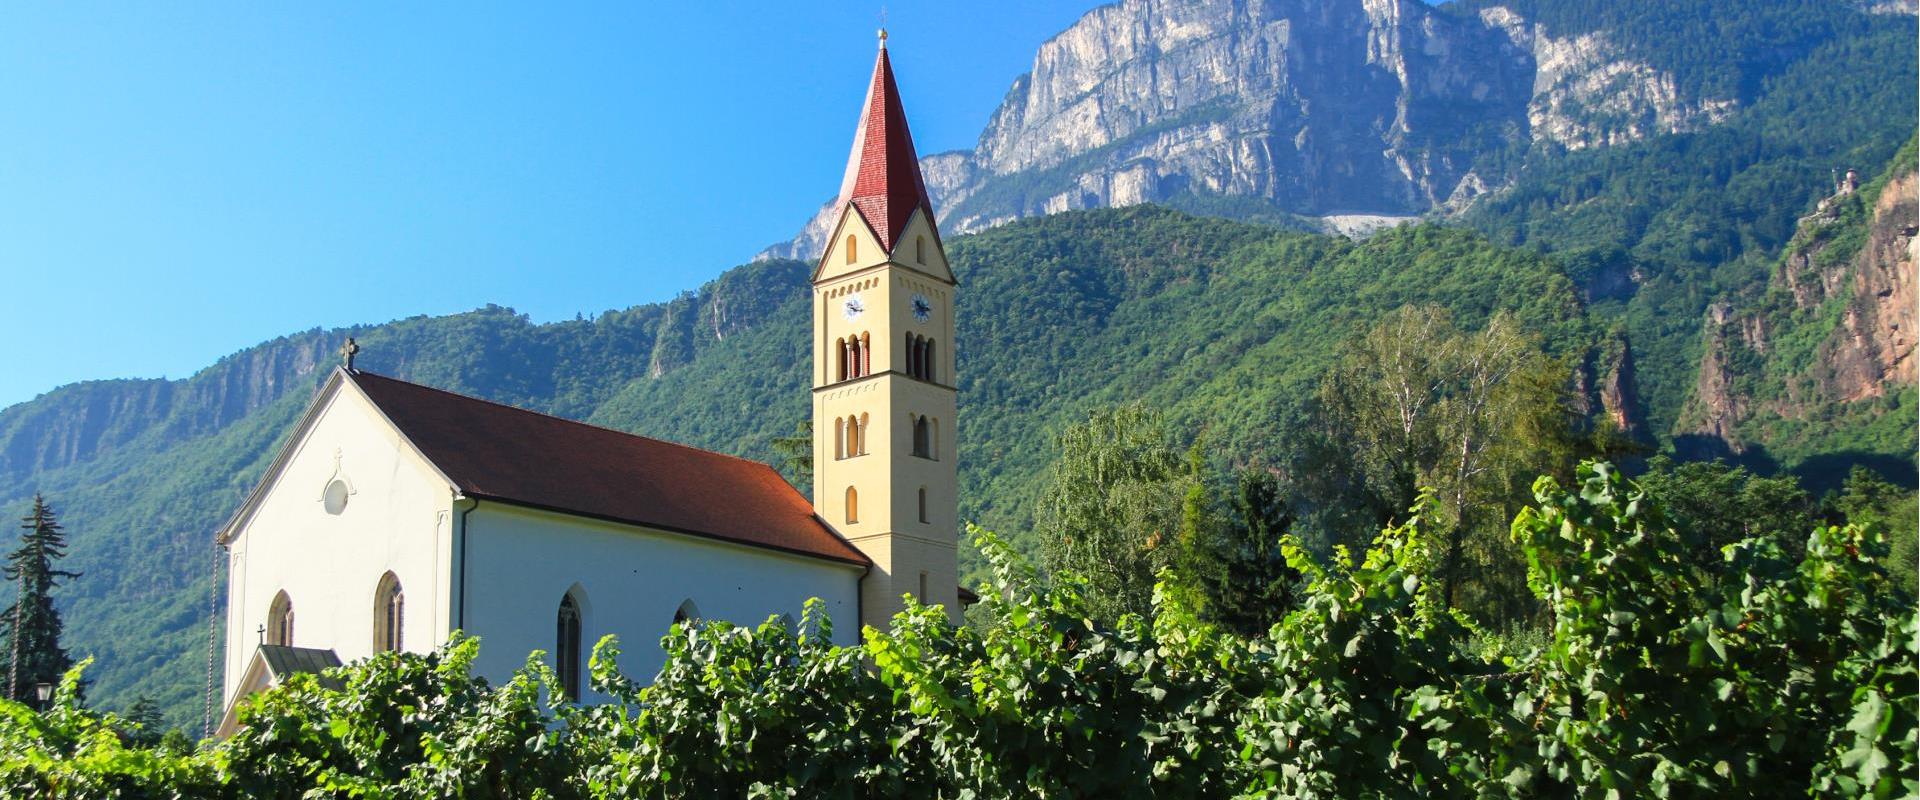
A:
[(44, 691)]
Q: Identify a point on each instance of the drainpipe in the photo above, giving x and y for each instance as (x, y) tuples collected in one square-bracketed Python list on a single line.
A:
[(460, 573)]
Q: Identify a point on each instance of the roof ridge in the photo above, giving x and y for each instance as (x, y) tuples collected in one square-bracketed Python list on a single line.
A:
[(357, 373)]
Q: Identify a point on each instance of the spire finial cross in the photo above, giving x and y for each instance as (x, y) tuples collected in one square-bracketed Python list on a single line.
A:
[(348, 351), (883, 27)]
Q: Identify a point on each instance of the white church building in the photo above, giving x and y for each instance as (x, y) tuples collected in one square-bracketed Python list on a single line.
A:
[(397, 514)]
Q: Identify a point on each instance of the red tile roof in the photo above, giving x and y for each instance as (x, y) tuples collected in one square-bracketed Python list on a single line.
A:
[(883, 174), (496, 452)]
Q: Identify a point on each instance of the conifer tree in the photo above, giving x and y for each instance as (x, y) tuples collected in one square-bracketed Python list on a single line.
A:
[(1245, 577), (31, 626), (143, 718)]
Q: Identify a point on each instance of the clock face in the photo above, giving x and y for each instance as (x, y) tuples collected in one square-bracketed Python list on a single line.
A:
[(922, 308), (853, 308)]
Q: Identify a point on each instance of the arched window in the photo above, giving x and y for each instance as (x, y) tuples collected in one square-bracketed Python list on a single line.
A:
[(863, 435), (280, 620), (841, 348), (686, 613), (866, 354), (851, 447), (933, 451), (913, 357), (389, 615), (926, 360), (566, 647), (853, 248), (922, 438), (856, 356), (853, 506), (923, 504)]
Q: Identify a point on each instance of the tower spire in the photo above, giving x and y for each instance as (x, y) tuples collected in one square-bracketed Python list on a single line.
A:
[(883, 179)]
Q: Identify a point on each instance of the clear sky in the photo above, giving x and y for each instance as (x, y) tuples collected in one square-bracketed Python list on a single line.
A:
[(182, 180)]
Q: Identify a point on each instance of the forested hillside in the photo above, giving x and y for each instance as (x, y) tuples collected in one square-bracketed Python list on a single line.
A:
[(1228, 325)]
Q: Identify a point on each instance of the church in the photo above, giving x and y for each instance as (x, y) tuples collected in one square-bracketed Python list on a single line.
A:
[(396, 513)]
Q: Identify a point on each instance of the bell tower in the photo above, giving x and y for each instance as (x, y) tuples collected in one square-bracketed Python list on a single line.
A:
[(883, 369)]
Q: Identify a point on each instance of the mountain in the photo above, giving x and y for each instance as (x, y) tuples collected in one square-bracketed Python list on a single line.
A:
[(1351, 113), (1817, 363)]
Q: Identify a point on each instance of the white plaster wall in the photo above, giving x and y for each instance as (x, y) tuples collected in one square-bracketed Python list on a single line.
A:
[(329, 565), (520, 562)]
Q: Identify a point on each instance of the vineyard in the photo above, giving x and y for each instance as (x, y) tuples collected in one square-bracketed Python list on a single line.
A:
[(1786, 676)]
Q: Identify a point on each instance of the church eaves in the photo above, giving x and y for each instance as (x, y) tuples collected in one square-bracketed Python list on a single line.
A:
[(883, 180)]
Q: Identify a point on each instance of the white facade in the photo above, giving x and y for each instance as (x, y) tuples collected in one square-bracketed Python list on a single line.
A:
[(396, 518), (629, 582), (402, 515)]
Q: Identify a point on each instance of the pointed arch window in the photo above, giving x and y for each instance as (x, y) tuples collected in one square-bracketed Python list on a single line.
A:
[(853, 248), (280, 620), (853, 505), (566, 647), (922, 437), (389, 615)]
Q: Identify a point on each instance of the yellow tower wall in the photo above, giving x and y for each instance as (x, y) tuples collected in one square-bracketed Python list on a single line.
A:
[(888, 476)]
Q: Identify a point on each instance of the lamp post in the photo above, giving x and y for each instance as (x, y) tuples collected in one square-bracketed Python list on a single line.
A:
[(43, 691)]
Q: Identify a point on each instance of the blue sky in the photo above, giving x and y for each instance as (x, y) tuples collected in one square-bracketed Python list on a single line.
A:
[(182, 180)]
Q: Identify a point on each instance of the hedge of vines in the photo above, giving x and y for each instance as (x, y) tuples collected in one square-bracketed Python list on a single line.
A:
[(1798, 679)]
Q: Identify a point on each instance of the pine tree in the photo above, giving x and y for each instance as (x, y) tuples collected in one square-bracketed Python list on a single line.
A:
[(31, 626), (1248, 584), (143, 722)]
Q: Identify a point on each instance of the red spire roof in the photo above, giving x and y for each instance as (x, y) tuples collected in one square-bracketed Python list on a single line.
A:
[(883, 173)]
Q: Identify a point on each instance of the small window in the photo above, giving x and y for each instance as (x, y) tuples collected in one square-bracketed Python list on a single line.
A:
[(922, 596), (686, 613), (566, 648), (335, 497), (922, 438), (389, 615), (280, 620), (853, 506), (923, 505), (853, 249), (919, 249)]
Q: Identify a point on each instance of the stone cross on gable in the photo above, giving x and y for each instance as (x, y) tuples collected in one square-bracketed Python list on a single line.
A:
[(348, 351)]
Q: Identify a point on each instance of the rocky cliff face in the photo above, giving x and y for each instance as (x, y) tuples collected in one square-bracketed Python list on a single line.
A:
[(82, 421), (1322, 108), (1834, 326)]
